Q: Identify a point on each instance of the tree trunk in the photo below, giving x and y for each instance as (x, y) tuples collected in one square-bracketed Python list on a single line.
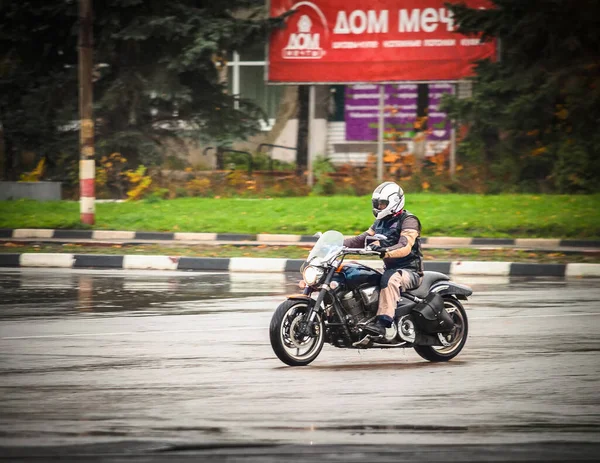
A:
[(420, 139), (302, 143)]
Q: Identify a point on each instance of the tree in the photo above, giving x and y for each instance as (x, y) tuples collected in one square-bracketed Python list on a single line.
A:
[(38, 80), (157, 74), (533, 118)]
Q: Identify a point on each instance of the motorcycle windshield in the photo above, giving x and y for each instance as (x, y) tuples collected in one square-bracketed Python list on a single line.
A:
[(331, 241)]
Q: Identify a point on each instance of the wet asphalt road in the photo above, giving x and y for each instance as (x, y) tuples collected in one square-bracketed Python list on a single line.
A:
[(112, 364)]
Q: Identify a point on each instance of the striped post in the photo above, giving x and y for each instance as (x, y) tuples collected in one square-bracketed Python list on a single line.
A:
[(87, 196), (87, 168)]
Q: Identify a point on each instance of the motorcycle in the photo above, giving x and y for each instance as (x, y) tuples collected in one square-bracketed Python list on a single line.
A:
[(340, 298)]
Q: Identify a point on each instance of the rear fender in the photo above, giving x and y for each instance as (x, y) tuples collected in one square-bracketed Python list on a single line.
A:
[(449, 288)]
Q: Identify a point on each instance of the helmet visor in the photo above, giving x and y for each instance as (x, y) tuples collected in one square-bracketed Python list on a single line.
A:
[(380, 204)]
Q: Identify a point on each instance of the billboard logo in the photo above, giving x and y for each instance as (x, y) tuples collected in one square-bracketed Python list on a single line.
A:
[(305, 44)]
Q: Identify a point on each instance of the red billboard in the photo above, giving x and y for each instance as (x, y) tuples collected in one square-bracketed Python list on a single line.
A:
[(345, 41)]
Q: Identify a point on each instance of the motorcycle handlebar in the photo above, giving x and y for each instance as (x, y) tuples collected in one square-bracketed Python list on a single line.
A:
[(361, 251)]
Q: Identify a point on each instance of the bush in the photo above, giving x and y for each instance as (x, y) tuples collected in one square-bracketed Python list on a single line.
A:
[(324, 183)]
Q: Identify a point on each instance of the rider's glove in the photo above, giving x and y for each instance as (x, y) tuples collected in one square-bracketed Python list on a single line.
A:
[(380, 249)]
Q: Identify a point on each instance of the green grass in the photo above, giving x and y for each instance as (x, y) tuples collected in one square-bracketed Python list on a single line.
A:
[(513, 216)]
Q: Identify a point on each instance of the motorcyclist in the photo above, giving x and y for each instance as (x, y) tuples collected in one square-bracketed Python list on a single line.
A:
[(400, 251)]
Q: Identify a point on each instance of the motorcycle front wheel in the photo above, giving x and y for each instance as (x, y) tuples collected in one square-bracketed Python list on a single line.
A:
[(291, 347), (456, 341)]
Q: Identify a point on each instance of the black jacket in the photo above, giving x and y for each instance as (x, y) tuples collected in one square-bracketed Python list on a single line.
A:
[(392, 228)]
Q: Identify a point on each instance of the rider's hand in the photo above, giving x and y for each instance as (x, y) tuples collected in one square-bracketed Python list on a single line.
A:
[(380, 249)]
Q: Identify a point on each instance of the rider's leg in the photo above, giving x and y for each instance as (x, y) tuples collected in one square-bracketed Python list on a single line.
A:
[(393, 282), (388, 297), (391, 289)]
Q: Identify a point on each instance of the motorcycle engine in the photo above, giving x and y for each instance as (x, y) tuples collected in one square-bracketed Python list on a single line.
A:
[(361, 304), (351, 304)]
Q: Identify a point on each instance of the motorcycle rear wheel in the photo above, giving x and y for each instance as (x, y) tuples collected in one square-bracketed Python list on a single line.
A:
[(459, 338), (292, 349)]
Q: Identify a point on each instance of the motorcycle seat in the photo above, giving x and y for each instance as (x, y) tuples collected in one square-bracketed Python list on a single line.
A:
[(429, 278)]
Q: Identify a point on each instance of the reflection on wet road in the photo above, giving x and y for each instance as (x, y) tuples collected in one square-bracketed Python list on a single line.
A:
[(169, 356)]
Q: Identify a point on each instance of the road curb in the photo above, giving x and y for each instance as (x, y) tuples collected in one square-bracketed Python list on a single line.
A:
[(274, 265), (100, 235)]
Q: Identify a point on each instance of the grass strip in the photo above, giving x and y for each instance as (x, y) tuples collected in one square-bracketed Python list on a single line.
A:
[(491, 216)]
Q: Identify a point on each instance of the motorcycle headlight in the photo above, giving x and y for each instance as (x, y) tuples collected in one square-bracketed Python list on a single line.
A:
[(312, 274)]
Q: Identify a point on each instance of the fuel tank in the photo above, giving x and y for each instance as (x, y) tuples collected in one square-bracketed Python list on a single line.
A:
[(355, 275)]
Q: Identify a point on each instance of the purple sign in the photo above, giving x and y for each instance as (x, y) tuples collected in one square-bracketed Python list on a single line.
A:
[(361, 111), (438, 122)]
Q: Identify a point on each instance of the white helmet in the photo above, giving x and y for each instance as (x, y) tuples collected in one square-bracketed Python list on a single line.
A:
[(387, 199)]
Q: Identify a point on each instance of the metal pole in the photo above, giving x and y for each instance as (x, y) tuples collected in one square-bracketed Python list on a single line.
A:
[(380, 131), (87, 168), (236, 79), (311, 133)]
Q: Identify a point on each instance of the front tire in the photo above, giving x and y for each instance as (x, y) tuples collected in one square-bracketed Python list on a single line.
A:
[(292, 349), (459, 337)]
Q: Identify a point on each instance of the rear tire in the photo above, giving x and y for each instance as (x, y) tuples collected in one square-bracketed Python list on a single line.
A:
[(286, 344), (445, 353)]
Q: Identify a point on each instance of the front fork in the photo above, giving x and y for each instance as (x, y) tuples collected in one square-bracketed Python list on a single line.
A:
[(308, 323)]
